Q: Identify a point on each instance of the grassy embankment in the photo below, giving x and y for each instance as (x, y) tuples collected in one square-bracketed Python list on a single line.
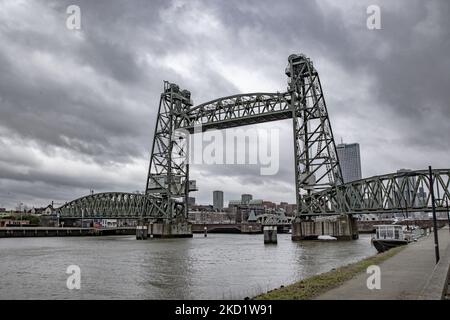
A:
[(312, 287)]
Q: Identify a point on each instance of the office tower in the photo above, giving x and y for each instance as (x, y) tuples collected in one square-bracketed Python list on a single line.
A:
[(350, 160), (218, 200), (408, 184)]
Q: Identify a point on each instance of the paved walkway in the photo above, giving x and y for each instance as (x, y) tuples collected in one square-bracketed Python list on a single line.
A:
[(403, 276)]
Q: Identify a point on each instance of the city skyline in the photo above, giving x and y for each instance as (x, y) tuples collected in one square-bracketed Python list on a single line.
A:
[(78, 107)]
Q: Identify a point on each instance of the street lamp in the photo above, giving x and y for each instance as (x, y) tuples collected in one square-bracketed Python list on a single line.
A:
[(433, 205), (448, 215)]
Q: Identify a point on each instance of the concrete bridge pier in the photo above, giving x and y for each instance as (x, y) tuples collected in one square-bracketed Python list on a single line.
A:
[(171, 229), (342, 227), (163, 229), (270, 234), (141, 232)]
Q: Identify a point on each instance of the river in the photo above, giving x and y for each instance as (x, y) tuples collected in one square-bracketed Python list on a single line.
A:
[(220, 266)]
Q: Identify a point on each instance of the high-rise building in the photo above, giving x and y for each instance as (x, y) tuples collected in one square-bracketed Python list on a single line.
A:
[(218, 200), (246, 198), (408, 184), (350, 160)]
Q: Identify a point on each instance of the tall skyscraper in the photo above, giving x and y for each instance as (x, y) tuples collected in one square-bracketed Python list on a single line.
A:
[(218, 200), (350, 160), (409, 183)]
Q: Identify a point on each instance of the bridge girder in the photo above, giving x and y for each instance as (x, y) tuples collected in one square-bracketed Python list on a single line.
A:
[(238, 110), (117, 205), (396, 192), (273, 219)]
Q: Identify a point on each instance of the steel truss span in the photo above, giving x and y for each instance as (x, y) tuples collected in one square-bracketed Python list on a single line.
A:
[(319, 186), (396, 192), (117, 205), (316, 164), (238, 110)]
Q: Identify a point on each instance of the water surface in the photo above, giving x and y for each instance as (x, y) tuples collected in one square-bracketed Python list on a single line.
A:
[(230, 266)]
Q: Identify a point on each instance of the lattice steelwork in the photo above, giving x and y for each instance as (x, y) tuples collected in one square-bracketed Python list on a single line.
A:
[(117, 205), (395, 192), (168, 174), (318, 179), (239, 110), (316, 162)]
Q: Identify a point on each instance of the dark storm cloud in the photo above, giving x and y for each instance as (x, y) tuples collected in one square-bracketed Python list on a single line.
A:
[(91, 96)]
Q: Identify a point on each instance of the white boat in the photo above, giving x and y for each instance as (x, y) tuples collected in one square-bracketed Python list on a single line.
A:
[(326, 237), (388, 236)]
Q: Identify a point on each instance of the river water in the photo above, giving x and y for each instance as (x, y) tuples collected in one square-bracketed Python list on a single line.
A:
[(221, 266)]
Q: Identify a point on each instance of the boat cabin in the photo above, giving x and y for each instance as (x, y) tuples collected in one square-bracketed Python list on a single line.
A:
[(389, 232)]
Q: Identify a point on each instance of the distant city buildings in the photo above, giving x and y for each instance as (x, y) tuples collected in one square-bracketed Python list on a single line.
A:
[(237, 211), (350, 161), (408, 183), (218, 200), (246, 198), (48, 210)]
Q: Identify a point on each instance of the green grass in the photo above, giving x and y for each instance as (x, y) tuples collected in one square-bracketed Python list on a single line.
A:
[(316, 285)]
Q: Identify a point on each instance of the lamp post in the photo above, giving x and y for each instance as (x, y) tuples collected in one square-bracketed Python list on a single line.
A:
[(448, 214), (21, 212), (433, 205)]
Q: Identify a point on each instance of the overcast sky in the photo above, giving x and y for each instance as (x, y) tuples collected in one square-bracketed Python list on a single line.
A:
[(78, 107)]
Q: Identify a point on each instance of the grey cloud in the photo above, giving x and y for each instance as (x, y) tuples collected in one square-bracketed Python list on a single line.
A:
[(405, 109)]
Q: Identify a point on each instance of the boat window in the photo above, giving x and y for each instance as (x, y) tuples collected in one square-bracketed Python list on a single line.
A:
[(389, 233)]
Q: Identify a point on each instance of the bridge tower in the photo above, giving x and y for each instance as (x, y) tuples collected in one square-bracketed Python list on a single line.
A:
[(168, 174), (316, 163)]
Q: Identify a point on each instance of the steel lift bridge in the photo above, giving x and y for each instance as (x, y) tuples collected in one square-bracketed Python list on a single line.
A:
[(319, 186)]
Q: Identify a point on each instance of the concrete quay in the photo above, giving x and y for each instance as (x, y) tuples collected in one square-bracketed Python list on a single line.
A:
[(412, 274), (20, 232), (248, 228)]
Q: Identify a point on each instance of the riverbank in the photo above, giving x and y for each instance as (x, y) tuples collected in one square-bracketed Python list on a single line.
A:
[(405, 272), (312, 287), (25, 232)]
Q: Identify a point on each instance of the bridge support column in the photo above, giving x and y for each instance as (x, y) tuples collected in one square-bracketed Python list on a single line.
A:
[(270, 234), (343, 227), (141, 232), (172, 229)]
